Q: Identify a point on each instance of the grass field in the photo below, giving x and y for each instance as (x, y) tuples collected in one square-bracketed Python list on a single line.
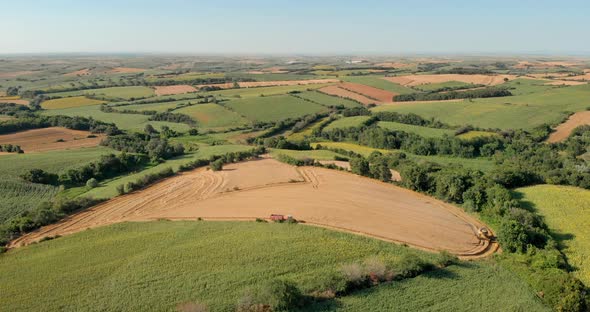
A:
[(133, 122), (266, 91), (17, 196), (213, 116), (125, 93), (482, 164), (524, 111), (315, 154), (476, 134), (76, 101), (157, 265), (347, 122), (327, 100), (423, 131), (378, 82), (159, 107), (108, 188), (273, 108), (567, 212)]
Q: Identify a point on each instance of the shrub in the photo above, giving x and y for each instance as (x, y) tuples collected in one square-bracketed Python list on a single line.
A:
[(412, 265), (217, 165), (375, 269), (277, 295), (446, 258), (40, 176), (92, 183), (121, 189)]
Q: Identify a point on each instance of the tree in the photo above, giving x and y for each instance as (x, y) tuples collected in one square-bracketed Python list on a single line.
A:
[(512, 236), (360, 166), (149, 129)]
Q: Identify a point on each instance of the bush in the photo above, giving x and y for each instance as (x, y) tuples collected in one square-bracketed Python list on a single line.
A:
[(412, 266), (277, 295), (40, 176), (217, 165), (375, 269), (121, 189), (446, 258), (92, 183)]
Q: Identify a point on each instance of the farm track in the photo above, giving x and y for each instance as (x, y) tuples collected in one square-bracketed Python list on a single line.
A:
[(316, 196)]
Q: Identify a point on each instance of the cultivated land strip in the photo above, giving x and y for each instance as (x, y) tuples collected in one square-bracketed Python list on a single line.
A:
[(316, 196)]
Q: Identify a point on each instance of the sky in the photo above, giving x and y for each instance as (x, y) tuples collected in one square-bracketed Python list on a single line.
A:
[(319, 27)]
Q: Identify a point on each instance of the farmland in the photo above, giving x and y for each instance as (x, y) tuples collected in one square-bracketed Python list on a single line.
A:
[(475, 159), (128, 254), (273, 108), (566, 211)]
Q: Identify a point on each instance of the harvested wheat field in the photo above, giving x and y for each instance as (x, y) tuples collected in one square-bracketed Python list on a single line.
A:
[(46, 139), (585, 77), (370, 92), (564, 130), (343, 93), (125, 70), (416, 80), (565, 83), (177, 89), (17, 101), (254, 84), (316, 196), (15, 74)]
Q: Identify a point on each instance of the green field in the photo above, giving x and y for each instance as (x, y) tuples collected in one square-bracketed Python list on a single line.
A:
[(423, 131), (266, 91), (514, 112), (273, 108), (133, 122), (482, 164), (213, 116), (17, 195), (314, 154), (125, 93), (347, 122), (567, 212), (76, 101), (108, 188), (155, 266), (327, 100), (380, 83), (307, 131), (476, 134), (158, 107)]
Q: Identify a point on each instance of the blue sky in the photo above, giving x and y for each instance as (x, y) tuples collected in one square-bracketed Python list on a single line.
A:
[(288, 27)]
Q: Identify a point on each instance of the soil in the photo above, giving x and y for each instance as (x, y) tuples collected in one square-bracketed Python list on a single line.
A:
[(46, 139), (564, 130)]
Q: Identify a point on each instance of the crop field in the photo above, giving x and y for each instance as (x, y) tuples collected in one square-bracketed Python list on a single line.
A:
[(423, 131), (307, 131), (68, 102), (379, 82), (49, 139), (564, 130), (313, 154), (213, 116), (442, 85), (158, 107), (264, 91), (469, 283), (273, 108), (514, 112), (17, 196), (379, 95), (416, 80), (567, 212), (476, 134), (108, 188), (327, 100), (252, 189), (343, 93), (132, 122), (171, 90), (124, 93), (482, 164), (347, 122)]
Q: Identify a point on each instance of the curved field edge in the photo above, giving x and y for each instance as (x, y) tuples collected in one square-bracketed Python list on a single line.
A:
[(215, 262)]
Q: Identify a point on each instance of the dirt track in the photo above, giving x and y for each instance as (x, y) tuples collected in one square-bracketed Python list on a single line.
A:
[(43, 140), (322, 197), (564, 130)]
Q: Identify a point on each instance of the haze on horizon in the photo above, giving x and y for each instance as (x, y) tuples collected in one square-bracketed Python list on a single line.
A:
[(291, 27)]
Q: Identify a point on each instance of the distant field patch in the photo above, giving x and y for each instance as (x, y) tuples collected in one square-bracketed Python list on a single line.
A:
[(347, 122), (257, 84), (564, 130), (566, 211), (51, 139), (125, 93), (213, 116), (379, 82), (476, 134), (416, 80), (15, 101), (445, 85), (422, 131), (273, 108), (343, 93), (125, 70), (69, 102), (370, 92), (177, 89), (327, 100)]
